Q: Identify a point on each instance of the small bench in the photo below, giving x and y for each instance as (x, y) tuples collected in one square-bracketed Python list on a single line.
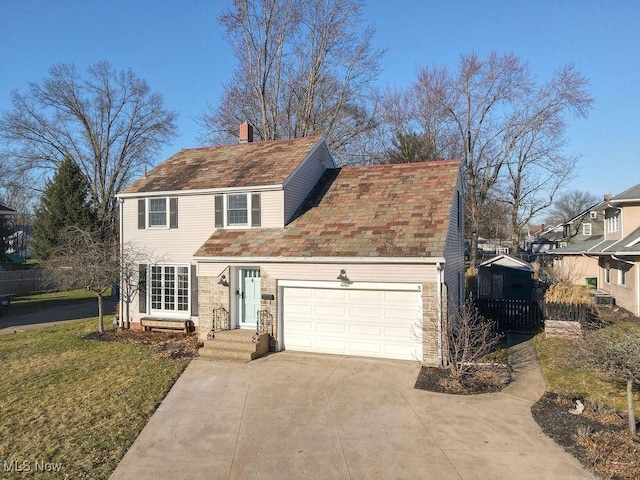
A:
[(174, 324)]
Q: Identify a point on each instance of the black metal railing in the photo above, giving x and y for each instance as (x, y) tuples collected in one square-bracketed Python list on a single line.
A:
[(264, 324), (221, 322)]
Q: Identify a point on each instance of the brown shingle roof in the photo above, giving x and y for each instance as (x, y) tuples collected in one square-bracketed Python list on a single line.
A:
[(377, 211), (240, 165)]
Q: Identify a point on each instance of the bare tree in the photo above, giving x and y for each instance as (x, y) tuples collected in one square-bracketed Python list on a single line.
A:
[(305, 67), (84, 260), (570, 204), (615, 353), (470, 337), (493, 113), (110, 124)]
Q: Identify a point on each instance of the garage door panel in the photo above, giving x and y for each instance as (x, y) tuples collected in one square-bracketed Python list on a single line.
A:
[(368, 348), (365, 313), (330, 311), (377, 323), (368, 295), (330, 346), (300, 309), (322, 327), (329, 293), (299, 326), (368, 330)]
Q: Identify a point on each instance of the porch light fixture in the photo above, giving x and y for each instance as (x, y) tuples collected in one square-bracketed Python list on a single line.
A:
[(343, 276), (223, 281)]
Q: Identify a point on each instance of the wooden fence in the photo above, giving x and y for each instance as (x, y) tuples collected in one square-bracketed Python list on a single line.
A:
[(21, 281), (512, 315), (528, 316), (567, 312)]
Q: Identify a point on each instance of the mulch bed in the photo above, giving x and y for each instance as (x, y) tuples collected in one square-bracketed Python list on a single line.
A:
[(164, 344), (481, 379), (598, 437)]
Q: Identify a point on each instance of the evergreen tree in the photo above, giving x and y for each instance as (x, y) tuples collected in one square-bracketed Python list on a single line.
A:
[(64, 203)]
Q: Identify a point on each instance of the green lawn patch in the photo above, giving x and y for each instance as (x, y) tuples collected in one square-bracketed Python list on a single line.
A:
[(66, 399), (565, 374), (29, 302)]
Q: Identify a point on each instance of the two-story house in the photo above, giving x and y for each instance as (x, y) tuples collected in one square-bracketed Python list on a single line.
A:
[(617, 251), (353, 260)]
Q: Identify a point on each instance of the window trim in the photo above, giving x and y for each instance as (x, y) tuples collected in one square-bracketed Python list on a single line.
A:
[(622, 275), (247, 210), (254, 216), (613, 222), (170, 213), (584, 228), (149, 213), (175, 312)]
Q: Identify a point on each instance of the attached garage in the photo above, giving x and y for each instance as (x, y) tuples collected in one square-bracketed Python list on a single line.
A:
[(373, 320)]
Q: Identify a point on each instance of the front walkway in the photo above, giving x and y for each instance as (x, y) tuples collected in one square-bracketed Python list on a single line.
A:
[(291, 416)]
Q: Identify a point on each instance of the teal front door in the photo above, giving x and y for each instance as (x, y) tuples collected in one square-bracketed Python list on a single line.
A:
[(249, 296)]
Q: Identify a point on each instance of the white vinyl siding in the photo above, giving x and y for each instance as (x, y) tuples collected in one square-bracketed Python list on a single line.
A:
[(300, 183)]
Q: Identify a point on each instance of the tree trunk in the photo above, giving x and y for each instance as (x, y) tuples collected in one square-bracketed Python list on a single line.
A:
[(632, 415), (100, 314)]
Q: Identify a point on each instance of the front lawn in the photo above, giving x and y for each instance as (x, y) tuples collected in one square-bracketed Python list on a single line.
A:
[(81, 403), (565, 373)]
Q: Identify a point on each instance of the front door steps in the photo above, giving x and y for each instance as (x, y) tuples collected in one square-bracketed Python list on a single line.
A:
[(235, 346)]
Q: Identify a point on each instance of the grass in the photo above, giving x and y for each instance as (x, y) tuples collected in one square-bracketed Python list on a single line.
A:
[(565, 374), (28, 302), (78, 402)]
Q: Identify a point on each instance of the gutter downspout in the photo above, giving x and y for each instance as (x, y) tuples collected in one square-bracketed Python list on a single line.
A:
[(120, 303), (439, 306)]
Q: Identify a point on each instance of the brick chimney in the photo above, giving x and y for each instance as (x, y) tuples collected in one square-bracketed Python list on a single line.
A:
[(246, 133), (607, 197)]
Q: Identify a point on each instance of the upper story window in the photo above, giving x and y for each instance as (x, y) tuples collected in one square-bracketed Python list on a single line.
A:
[(158, 212), (593, 215), (586, 229), (613, 221), (237, 210)]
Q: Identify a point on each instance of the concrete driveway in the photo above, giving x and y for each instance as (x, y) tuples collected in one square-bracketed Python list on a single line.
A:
[(293, 416)]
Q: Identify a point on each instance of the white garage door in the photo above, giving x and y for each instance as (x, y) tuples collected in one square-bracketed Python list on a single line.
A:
[(372, 323)]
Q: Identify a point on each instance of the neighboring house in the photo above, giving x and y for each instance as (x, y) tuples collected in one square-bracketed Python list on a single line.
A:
[(505, 277), (617, 252), (546, 239), (584, 226), (353, 260)]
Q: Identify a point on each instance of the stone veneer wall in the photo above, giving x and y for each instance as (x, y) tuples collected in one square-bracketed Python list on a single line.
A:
[(430, 340), (268, 285), (561, 328), (210, 295)]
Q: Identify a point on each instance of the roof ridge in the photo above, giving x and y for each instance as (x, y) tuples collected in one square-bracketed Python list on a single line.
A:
[(405, 164), (259, 142)]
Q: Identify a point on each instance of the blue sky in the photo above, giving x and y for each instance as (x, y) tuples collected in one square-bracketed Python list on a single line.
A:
[(179, 48)]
